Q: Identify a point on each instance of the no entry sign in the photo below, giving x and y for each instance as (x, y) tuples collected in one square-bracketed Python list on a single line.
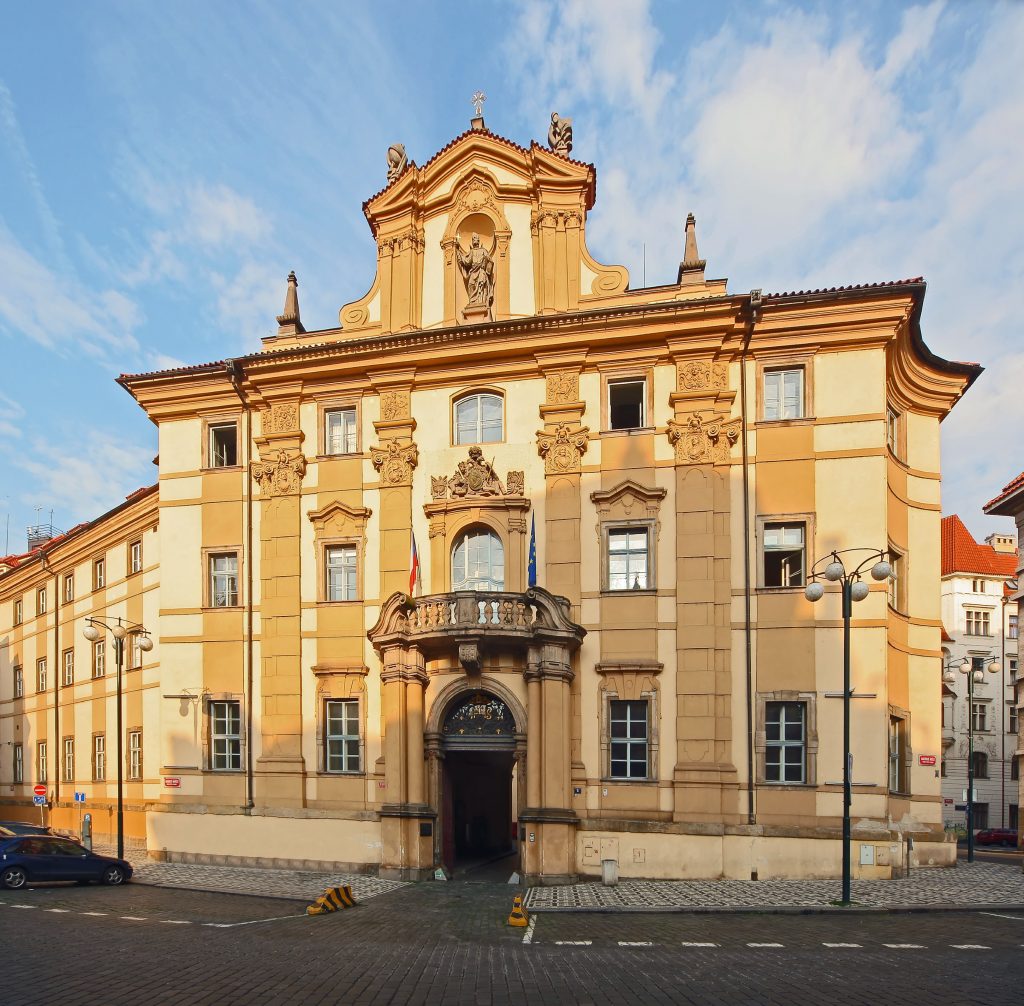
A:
[(39, 789)]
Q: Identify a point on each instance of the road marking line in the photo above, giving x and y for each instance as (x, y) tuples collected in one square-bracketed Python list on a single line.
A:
[(175, 922), (92, 913), (635, 943), (765, 944), (23, 906), (970, 946), (573, 943), (996, 915), (528, 935), (840, 944), (218, 925), (256, 922), (905, 946), (63, 911), (134, 918), (698, 944)]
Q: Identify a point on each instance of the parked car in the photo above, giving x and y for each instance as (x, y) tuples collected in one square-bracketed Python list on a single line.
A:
[(25, 828), (24, 859), (996, 836)]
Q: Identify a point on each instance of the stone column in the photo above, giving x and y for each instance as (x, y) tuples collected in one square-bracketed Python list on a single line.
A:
[(280, 770)]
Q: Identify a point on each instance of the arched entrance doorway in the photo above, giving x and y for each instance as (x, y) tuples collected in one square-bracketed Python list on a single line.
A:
[(480, 791)]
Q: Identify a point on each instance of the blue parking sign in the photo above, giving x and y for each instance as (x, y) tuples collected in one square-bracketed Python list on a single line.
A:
[(39, 801)]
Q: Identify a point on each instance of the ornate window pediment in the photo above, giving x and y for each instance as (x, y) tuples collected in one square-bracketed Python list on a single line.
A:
[(629, 501), (338, 520)]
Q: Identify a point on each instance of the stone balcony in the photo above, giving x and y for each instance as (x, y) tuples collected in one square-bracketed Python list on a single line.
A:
[(471, 622)]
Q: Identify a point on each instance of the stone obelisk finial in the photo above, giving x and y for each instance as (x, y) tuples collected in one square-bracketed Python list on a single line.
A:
[(692, 266), (289, 322)]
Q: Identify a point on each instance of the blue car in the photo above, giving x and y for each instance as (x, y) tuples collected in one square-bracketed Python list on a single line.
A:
[(24, 859)]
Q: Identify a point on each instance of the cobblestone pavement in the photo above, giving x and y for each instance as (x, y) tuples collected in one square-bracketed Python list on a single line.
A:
[(448, 943), (300, 885), (965, 885)]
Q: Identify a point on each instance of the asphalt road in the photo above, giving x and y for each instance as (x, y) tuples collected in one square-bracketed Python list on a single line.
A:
[(448, 943)]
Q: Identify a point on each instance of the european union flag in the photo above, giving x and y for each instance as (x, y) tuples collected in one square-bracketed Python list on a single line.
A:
[(531, 570)]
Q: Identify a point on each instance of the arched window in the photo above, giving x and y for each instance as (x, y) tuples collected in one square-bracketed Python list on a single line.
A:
[(478, 561), (478, 419)]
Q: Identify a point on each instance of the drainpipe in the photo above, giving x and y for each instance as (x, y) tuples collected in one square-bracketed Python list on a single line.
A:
[(753, 314), (56, 682), (236, 376)]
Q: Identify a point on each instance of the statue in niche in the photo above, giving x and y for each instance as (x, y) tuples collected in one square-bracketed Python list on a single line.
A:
[(477, 268), (397, 161), (560, 134)]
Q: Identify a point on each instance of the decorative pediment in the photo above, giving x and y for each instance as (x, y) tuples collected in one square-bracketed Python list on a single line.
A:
[(476, 478), (338, 520), (703, 438), (629, 501)]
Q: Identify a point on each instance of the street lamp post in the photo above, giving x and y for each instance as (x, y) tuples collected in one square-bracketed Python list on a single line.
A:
[(121, 629), (966, 666), (853, 589)]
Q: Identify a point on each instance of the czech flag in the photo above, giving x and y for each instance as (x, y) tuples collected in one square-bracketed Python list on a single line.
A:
[(414, 566), (531, 569)]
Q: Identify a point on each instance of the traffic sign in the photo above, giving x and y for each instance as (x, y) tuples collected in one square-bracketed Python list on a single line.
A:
[(79, 797), (39, 801), (39, 789)]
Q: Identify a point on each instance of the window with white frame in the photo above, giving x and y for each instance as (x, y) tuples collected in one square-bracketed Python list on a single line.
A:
[(478, 561), (897, 754), (978, 622), (41, 601), (892, 431), (627, 404), (68, 659), (783, 549), (1011, 627), (784, 393), (19, 612), (41, 676), (134, 651), (785, 748), (224, 580), (340, 431), (41, 774), (69, 587), (135, 557), (897, 585), (977, 586), (223, 446), (341, 737), (225, 736), (340, 567), (1012, 719), (979, 712), (628, 558), (19, 764), (479, 419), (99, 658), (1012, 662), (69, 759), (629, 740), (19, 681), (134, 754), (99, 574), (99, 757)]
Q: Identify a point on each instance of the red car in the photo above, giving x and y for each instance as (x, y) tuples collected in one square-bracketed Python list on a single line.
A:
[(996, 836)]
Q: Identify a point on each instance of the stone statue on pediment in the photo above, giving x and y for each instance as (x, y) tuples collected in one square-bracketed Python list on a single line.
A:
[(397, 160), (560, 134), (477, 268)]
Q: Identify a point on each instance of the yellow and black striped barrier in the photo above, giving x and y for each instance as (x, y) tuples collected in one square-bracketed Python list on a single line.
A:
[(518, 916), (332, 900)]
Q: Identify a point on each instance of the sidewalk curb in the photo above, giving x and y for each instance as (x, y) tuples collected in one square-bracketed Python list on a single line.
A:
[(210, 890), (772, 909)]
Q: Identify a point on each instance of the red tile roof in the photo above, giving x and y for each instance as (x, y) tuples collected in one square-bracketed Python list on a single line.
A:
[(1008, 490), (962, 554)]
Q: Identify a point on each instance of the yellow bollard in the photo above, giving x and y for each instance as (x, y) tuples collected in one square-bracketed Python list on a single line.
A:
[(518, 916)]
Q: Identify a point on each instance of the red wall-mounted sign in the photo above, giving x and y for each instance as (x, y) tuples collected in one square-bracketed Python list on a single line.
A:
[(927, 759), (172, 781)]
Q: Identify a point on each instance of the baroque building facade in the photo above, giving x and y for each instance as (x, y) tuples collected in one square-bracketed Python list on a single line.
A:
[(610, 499)]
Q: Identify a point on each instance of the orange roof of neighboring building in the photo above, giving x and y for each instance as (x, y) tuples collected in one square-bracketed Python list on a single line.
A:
[(1014, 486), (962, 554)]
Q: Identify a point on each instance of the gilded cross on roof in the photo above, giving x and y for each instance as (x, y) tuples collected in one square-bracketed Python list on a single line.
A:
[(477, 101)]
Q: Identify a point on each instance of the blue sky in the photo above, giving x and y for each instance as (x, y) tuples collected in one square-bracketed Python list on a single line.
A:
[(163, 167)]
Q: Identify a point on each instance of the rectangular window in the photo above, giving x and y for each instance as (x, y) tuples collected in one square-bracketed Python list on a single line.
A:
[(69, 587), (784, 554), (135, 557), (134, 754), (134, 651), (629, 738), (19, 682), (19, 764), (99, 574), (1011, 627), (980, 715), (785, 749), (897, 585), (19, 612), (224, 580), (341, 572), (784, 394), (1013, 668), (892, 431), (41, 674), (627, 558), (41, 761), (627, 404), (69, 667), (977, 586), (41, 601), (225, 736), (342, 735), (223, 445), (99, 757), (69, 759), (1012, 720), (340, 431), (99, 658), (897, 754), (977, 622)]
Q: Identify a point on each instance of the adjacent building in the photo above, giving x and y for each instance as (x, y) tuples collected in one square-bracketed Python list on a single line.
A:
[(512, 561)]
